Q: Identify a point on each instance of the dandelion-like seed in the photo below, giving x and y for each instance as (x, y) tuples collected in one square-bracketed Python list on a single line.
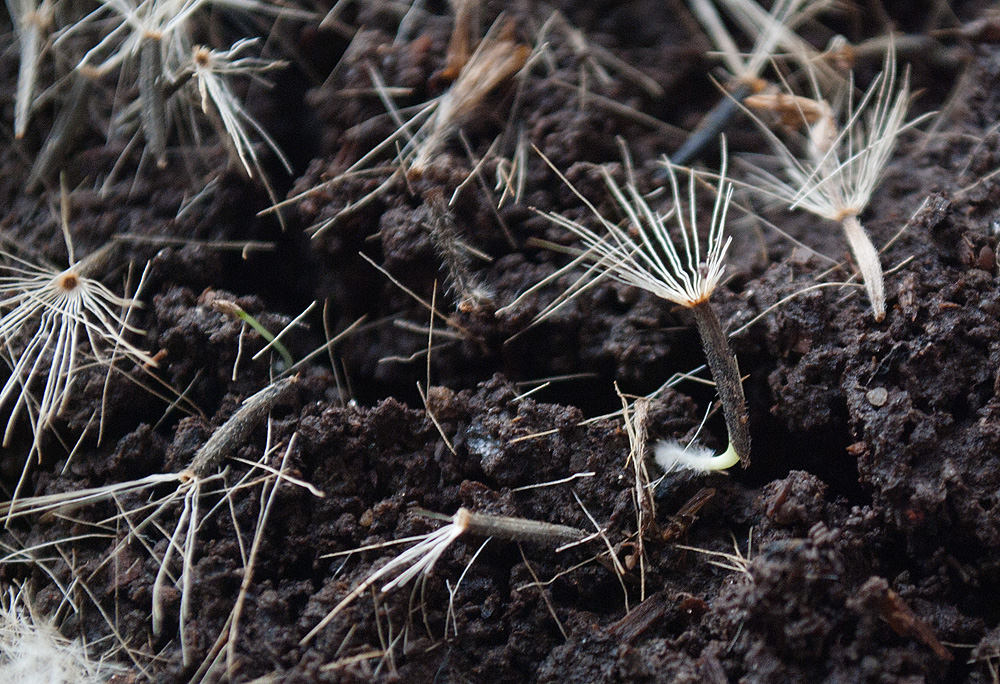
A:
[(653, 263), (210, 69), (642, 253), (420, 138), (32, 20), (150, 34), (45, 315), (494, 61), (420, 559), (152, 41), (770, 30), (841, 166)]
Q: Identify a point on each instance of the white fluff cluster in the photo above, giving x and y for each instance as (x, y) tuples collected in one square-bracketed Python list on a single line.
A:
[(33, 651)]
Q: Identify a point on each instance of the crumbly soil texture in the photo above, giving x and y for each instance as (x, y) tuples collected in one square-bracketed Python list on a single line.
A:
[(861, 545)]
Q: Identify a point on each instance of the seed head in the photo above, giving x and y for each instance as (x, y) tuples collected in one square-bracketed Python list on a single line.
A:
[(44, 314), (212, 70), (841, 165), (642, 253)]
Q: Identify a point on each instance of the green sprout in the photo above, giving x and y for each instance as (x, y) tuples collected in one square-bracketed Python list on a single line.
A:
[(233, 309)]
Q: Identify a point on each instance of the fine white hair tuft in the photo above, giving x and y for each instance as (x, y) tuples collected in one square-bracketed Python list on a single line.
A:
[(670, 455), (32, 651)]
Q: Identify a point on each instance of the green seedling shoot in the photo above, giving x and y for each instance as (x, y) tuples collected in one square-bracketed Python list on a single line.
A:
[(235, 310)]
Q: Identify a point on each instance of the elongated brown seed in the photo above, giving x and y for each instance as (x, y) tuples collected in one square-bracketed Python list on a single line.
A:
[(726, 373)]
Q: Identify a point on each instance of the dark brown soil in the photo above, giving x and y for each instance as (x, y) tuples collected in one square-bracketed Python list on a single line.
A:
[(865, 537)]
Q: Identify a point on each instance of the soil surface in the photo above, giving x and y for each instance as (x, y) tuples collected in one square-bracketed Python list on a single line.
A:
[(861, 545)]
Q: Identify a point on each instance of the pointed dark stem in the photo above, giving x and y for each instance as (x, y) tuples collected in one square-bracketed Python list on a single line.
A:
[(710, 127)]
